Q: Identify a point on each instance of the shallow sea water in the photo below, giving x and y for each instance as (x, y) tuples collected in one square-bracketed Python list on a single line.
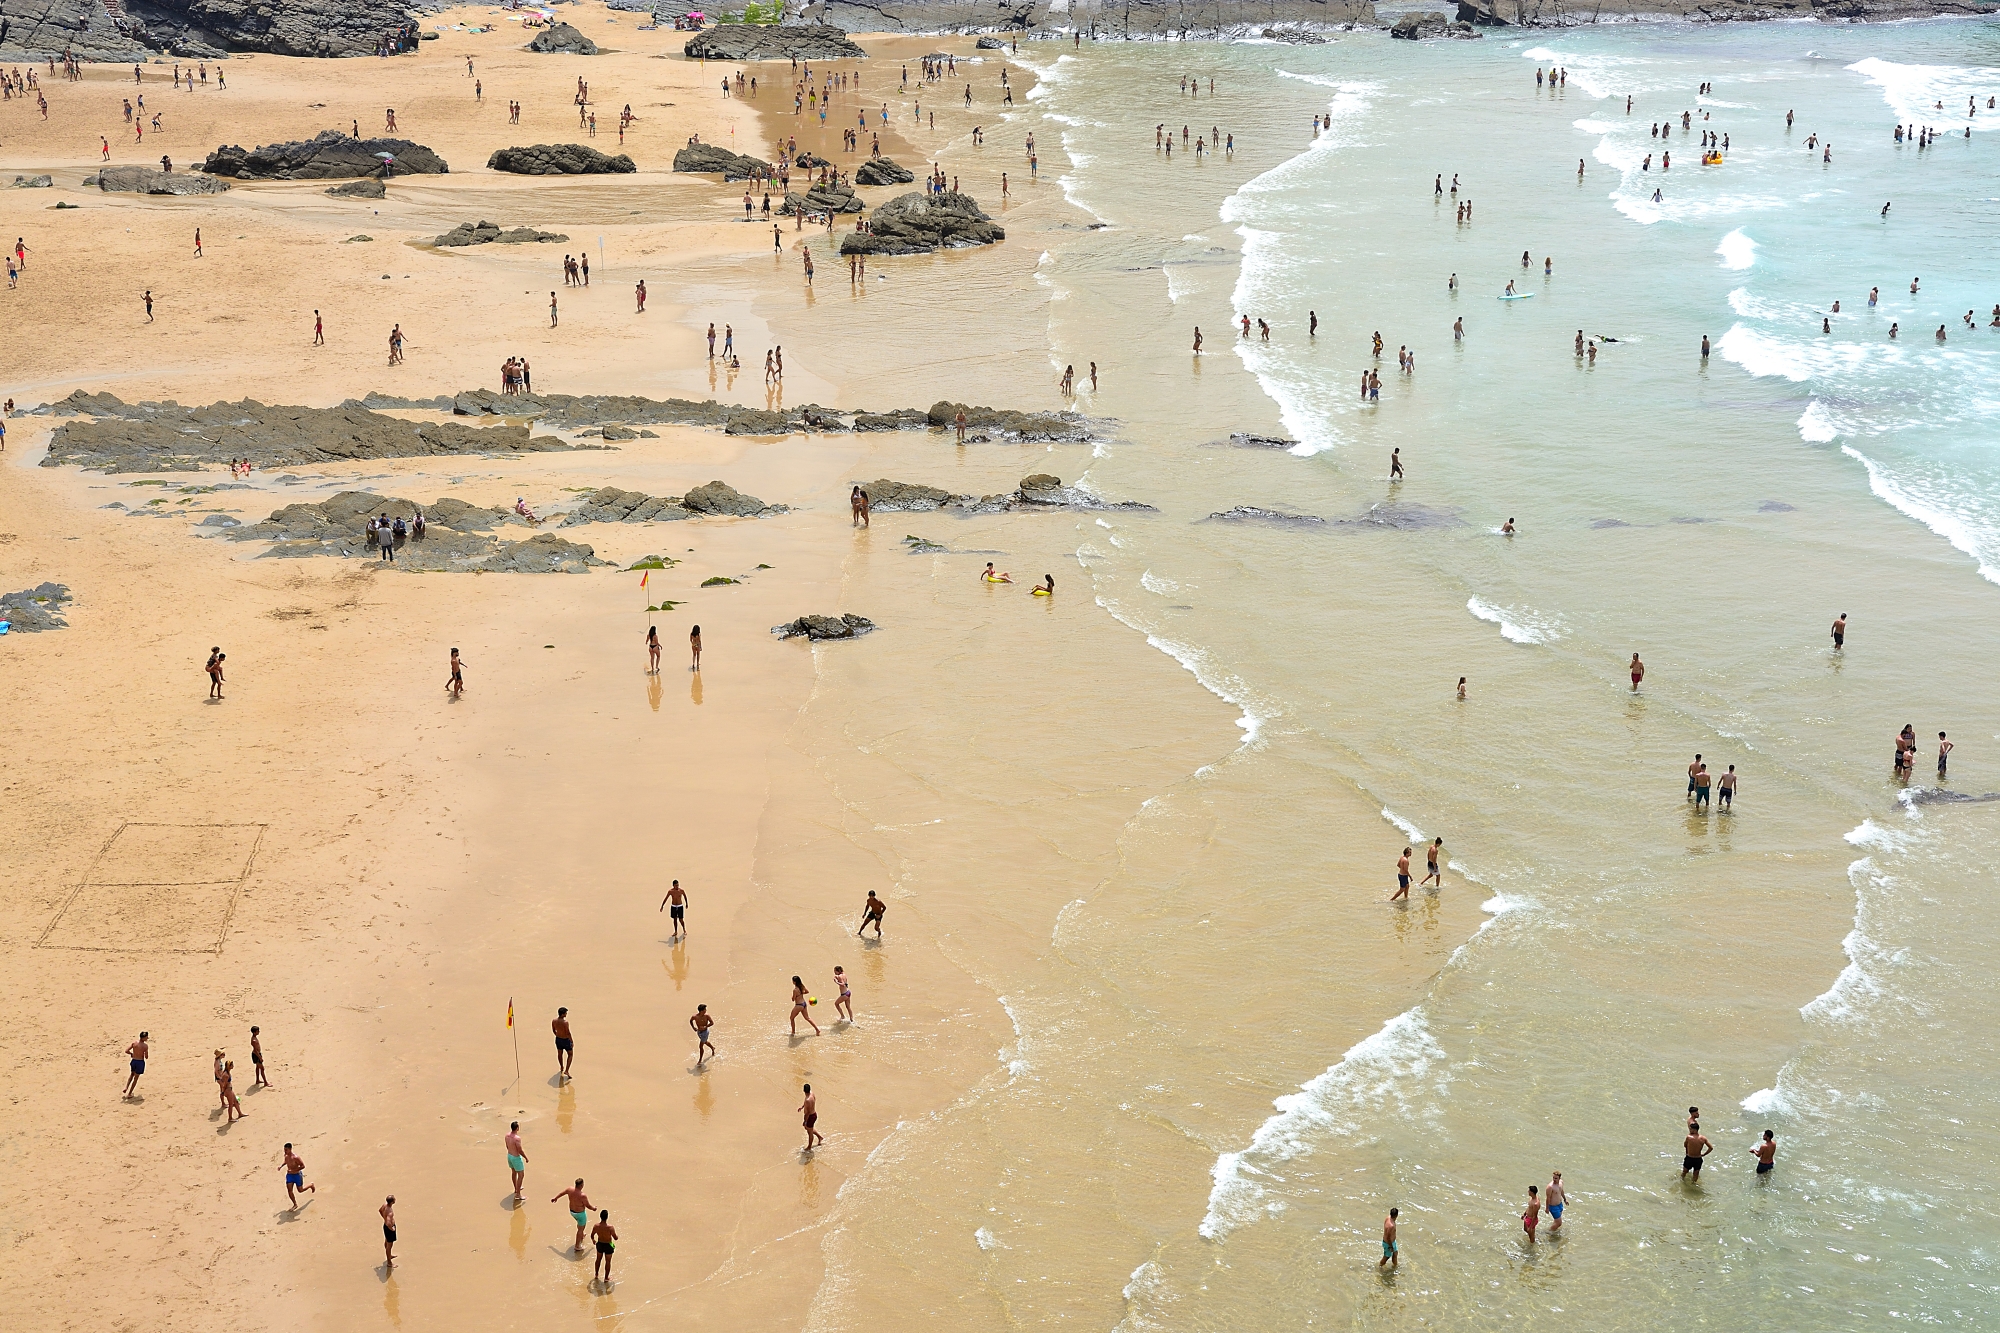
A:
[(1231, 1056)]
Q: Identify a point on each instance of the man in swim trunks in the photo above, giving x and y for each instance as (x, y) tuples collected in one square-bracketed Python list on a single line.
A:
[(137, 1053), (1638, 672), (517, 1157), (1944, 752), (1840, 629), (703, 1024), (1402, 876), (1395, 463), (1766, 1153), (565, 1052), (579, 1209), (1391, 1252), (1727, 786), (1693, 1148), (388, 1211), (872, 910), (677, 897), (1693, 769), (810, 1110), (1431, 855), (257, 1057), (605, 1237), (295, 1178), (1533, 1217), (1556, 1200)]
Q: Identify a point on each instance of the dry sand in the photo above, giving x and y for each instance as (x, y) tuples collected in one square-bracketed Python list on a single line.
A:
[(369, 871)]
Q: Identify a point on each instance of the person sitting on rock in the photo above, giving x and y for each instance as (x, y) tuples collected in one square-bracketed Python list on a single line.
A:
[(521, 508)]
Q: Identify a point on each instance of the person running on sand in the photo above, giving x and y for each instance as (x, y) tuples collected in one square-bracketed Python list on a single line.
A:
[(694, 647), (579, 1209), (872, 910), (136, 1053), (809, 1109), (517, 1157), (295, 1178), (388, 1212), (704, 1028), (799, 999), (676, 898), (455, 686), (1402, 876)]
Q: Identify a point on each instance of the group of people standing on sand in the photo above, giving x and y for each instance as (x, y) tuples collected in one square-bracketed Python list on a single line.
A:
[(385, 534), (516, 376)]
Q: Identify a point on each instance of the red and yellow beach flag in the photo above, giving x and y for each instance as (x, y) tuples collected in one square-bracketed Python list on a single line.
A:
[(510, 1011), (643, 577)]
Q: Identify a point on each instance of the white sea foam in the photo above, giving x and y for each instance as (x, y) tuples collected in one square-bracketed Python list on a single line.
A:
[(1912, 91), (1519, 624), (1400, 1070), (1152, 582), (1595, 126), (1410, 831), (1816, 425), (1949, 526), (1737, 250)]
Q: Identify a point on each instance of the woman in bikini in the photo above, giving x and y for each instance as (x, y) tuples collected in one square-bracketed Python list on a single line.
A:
[(799, 1008), (844, 1006), (653, 648)]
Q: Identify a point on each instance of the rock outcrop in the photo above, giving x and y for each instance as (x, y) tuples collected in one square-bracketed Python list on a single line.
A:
[(847, 626), (917, 224), (457, 538), (720, 498), (883, 171), (35, 609), (486, 233), (167, 437), (361, 189), (558, 159), (329, 155), (571, 412), (145, 180), (706, 157), (762, 41), (608, 504), (822, 199), (1038, 492), (561, 38), (32, 182), (210, 27), (1416, 27)]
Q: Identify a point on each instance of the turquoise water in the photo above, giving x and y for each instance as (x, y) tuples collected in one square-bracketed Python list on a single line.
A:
[(1247, 1080)]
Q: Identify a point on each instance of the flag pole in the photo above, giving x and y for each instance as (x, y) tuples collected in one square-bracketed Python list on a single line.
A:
[(517, 1040)]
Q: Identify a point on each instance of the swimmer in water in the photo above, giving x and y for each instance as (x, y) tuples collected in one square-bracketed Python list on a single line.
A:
[(1048, 588), (1507, 528), (1510, 287), (996, 576)]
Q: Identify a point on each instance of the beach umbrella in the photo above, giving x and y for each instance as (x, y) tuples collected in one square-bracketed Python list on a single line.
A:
[(388, 162)]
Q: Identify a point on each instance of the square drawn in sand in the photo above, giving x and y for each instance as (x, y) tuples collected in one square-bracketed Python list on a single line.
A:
[(158, 888)]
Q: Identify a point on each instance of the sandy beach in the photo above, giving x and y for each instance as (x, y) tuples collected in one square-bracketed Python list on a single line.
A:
[(1146, 1044)]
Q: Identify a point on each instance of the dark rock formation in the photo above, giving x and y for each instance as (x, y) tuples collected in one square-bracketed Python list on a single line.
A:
[(760, 41), (166, 437), (1414, 27), (822, 199), (361, 189), (1245, 440), (706, 157), (987, 16), (903, 418), (485, 233), (1252, 514), (882, 171), (1038, 492), (145, 180), (608, 504), (990, 44), (558, 159), (330, 155), (456, 539), (35, 609), (562, 38), (750, 421), (720, 498), (33, 182), (916, 224), (1030, 426), (211, 27), (824, 627)]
